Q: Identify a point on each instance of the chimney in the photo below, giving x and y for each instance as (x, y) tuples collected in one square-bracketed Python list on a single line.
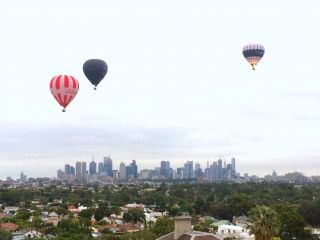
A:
[(182, 224)]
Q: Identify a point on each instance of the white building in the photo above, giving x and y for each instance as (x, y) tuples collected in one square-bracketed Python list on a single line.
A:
[(235, 231)]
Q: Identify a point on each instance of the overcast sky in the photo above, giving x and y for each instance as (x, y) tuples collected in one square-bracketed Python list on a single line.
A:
[(178, 87)]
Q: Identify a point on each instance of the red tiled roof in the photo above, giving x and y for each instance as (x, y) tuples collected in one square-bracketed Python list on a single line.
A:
[(8, 226)]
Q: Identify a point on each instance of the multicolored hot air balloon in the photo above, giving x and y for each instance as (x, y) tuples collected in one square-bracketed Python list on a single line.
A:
[(253, 53), (64, 88), (95, 70)]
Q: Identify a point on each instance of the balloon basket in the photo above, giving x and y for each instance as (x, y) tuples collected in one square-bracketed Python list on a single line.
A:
[(63, 110)]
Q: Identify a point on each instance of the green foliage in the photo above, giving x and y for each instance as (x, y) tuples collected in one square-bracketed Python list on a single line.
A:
[(5, 235), (264, 222), (86, 213), (163, 226), (134, 215), (310, 211), (292, 224)]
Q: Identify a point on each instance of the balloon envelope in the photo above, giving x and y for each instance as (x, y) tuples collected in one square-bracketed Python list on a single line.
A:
[(64, 88), (95, 70), (253, 53)]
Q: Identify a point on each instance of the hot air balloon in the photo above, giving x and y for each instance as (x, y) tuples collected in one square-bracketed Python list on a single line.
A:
[(253, 53), (64, 88), (95, 70)]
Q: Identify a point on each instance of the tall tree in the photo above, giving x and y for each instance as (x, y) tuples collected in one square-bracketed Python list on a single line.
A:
[(264, 222)]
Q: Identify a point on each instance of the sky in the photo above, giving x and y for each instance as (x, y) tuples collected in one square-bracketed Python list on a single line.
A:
[(178, 87)]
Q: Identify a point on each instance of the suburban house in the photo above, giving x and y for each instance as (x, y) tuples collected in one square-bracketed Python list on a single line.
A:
[(11, 227), (237, 232), (183, 231)]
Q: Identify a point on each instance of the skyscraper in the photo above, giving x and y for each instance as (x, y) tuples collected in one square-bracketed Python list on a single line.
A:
[(78, 169), (188, 169), (72, 170), (163, 168), (100, 167), (92, 168), (233, 164), (67, 169), (84, 169), (129, 172), (23, 177), (219, 169), (60, 174), (134, 169), (122, 171), (107, 166)]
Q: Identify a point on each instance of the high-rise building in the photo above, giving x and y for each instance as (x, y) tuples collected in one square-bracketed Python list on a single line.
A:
[(188, 169), (84, 169), (134, 169), (72, 170), (92, 168), (60, 174), (180, 173), (163, 168), (107, 166), (23, 177), (78, 169), (233, 164), (100, 167), (67, 169), (129, 172), (219, 169), (122, 171)]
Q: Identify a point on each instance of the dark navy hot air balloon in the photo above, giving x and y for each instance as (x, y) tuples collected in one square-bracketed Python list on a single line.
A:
[(95, 70), (253, 53)]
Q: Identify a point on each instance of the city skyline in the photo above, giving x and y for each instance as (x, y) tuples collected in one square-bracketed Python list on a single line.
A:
[(71, 168), (177, 88)]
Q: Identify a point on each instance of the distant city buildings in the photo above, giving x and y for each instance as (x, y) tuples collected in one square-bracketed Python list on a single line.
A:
[(103, 171), (216, 171)]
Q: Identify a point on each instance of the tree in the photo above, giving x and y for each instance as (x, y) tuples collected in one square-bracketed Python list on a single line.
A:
[(5, 235), (264, 222), (86, 213), (134, 215), (292, 224), (163, 226)]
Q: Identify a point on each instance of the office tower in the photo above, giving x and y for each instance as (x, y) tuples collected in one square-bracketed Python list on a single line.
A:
[(188, 169), (115, 174), (197, 166), (197, 170), (92, 168), (23, 178), (134, 169), (122, 171), (233, 164), (129, 172), (219, 169), (60, 174), (100, 167), (84, 169), (163, 168), (72, 170), (67, 169), (180, 173), (157, 171), (214, 171), (78, 169), (107, 166)]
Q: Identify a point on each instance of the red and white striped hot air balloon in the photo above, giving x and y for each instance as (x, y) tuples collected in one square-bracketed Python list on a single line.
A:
[(64, 88)]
